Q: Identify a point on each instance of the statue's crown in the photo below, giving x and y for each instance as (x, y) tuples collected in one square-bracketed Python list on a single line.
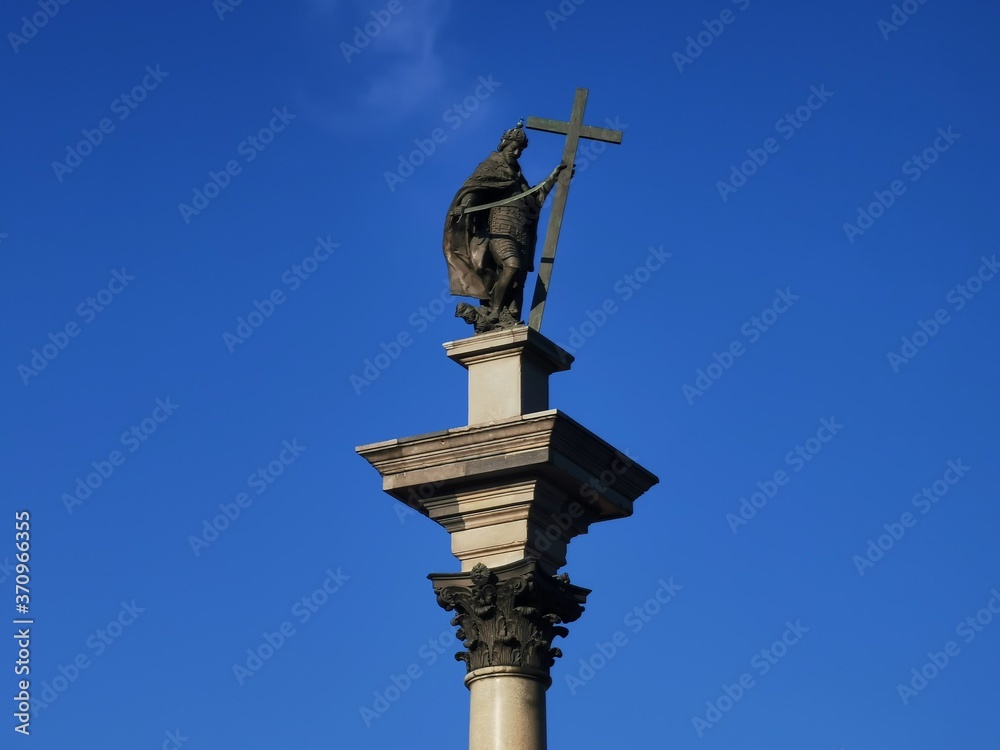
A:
[(515, 134)]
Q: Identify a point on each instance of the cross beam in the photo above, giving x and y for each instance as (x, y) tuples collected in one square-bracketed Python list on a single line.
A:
[(574, 130)]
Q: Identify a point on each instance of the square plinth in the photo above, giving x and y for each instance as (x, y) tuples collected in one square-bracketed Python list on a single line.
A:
[(508, 372)]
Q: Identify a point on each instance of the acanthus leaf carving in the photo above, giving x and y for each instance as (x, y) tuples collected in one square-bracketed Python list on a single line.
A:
[(509, 616)]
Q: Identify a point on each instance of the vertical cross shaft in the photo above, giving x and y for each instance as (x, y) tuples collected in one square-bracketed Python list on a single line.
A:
[(574, 130)]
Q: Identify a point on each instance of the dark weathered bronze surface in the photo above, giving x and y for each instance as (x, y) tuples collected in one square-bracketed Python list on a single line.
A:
[(509, 616), (574, 130), (490, 252), (492, 225), (586, 131)]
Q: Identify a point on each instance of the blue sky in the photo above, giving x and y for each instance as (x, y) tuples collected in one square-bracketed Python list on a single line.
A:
[(220, 222)]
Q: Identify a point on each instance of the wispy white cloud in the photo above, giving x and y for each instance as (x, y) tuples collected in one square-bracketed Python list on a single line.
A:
[(412, 67), (401, 88), (397, 70)]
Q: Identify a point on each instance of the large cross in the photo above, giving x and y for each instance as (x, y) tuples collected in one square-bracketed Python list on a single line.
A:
[(574, 130)]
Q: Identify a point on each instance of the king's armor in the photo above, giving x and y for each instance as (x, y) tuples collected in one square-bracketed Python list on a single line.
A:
[(509, 231)]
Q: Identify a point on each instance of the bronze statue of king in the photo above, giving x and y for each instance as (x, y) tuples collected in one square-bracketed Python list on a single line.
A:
[(490, 232)]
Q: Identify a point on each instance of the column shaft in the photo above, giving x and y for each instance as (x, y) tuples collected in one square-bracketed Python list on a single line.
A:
[(506, 712)]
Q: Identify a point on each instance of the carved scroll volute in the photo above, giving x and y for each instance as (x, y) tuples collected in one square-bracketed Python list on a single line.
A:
[(509, 616)]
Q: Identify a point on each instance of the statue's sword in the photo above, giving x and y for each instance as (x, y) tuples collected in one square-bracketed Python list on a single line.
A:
[(505, 201)]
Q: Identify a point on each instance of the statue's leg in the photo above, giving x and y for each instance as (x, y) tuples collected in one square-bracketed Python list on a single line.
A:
[(508, 258)]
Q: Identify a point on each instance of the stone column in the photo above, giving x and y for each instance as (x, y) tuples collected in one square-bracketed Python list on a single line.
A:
[(507, 618), (511, 488)]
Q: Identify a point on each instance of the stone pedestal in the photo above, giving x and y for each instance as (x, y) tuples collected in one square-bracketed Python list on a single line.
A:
[(512, 488), (508, 490), (508, 372)]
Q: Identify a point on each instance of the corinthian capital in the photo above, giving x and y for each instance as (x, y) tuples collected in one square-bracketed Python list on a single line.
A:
[(508, 616)]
